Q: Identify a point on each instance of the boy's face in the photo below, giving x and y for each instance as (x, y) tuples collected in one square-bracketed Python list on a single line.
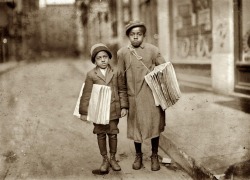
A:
[(136, 36), (102, 59)]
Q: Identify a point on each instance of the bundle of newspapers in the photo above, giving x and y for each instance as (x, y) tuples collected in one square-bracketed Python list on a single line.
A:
[(163, 83), (76, 110), (99, 104)]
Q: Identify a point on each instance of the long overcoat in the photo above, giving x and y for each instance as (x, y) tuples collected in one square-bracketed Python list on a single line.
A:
[(112, 79), (145, 120)]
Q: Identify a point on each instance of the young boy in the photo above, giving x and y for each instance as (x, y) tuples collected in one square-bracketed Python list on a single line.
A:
[(104, 74), (145, 120)]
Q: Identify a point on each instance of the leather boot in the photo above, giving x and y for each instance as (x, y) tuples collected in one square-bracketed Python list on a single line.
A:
[(105, 164), (115, 166), (113, 148), (155, 165), (138, 161)]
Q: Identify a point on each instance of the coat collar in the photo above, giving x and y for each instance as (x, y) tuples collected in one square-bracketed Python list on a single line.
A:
[(109, 74), (142, 46)]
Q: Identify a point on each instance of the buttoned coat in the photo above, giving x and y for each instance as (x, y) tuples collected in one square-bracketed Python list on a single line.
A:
[(112, 79), (145, 119)]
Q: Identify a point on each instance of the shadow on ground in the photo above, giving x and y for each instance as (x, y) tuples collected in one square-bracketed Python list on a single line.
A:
[(237, 103), (241, 104)]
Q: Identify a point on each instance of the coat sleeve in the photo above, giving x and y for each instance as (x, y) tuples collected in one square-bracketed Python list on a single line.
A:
[(120, 63), (86, 93), (159, 58), (122, 85), (122, 91)]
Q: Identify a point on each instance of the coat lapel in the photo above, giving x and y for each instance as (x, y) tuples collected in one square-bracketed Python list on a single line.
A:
[(99, 74), (109, 74)]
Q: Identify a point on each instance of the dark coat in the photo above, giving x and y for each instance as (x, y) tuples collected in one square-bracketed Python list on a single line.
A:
[(112, 79), (145, 120)]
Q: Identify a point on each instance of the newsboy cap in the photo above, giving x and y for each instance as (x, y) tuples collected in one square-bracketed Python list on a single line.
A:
[(97, 48), (133, 24)]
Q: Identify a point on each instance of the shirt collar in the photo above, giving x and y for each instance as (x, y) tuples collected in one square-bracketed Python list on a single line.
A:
[(107, 69)]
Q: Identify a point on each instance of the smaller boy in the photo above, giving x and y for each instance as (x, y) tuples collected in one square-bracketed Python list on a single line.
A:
[(104, 74)]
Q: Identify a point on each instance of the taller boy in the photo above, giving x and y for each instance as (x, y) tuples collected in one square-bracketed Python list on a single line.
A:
[(145, 120)]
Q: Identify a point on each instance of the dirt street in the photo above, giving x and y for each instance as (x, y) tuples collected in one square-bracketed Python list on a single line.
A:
[(41, 139)]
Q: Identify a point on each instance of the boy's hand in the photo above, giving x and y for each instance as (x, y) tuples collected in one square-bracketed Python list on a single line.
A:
[(124, 112), (83, 117)]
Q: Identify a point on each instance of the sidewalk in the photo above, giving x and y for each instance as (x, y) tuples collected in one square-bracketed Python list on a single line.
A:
[(6, 66), (206, 133)]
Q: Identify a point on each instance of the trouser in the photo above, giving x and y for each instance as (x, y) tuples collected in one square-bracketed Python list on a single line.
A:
[(154, 145), (101, 139)]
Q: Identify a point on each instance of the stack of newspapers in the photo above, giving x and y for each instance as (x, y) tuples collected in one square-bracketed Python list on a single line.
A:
[(163, 83), (99, 104)]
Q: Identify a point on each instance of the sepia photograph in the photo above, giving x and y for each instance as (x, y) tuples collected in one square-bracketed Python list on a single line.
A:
[(124, 89)]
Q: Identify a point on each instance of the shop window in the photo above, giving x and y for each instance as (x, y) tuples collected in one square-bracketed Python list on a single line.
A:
[(245, 31), (242, 46), (192, 29)]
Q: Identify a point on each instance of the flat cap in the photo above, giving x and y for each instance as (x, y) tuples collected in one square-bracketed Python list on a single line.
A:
[(133, 24), (97, 48)]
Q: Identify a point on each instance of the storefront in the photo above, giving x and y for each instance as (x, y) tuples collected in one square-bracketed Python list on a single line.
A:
[(191, 39), (210, 43), (242, 46)]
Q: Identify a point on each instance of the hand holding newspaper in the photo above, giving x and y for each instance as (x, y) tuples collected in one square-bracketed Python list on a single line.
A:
[(99, 104)]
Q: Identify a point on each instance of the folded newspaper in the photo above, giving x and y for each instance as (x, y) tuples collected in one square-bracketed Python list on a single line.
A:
[(76, 110), (163, 83), (99, 104)]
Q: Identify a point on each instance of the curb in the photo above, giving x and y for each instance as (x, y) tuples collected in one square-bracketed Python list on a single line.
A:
[(8, 66), (188, 163)]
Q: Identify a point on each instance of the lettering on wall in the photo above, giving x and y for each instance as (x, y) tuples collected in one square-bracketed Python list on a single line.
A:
[(246, 46), (194, 30), (221, 34)]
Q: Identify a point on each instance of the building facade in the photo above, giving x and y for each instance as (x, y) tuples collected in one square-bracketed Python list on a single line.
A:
[(19, 33), (9, 21), (99, 21), (29, 32)]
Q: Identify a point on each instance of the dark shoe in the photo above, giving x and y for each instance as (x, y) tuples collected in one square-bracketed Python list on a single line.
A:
[(155, 165), (138, 161), (115, 166), (105, 164)]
